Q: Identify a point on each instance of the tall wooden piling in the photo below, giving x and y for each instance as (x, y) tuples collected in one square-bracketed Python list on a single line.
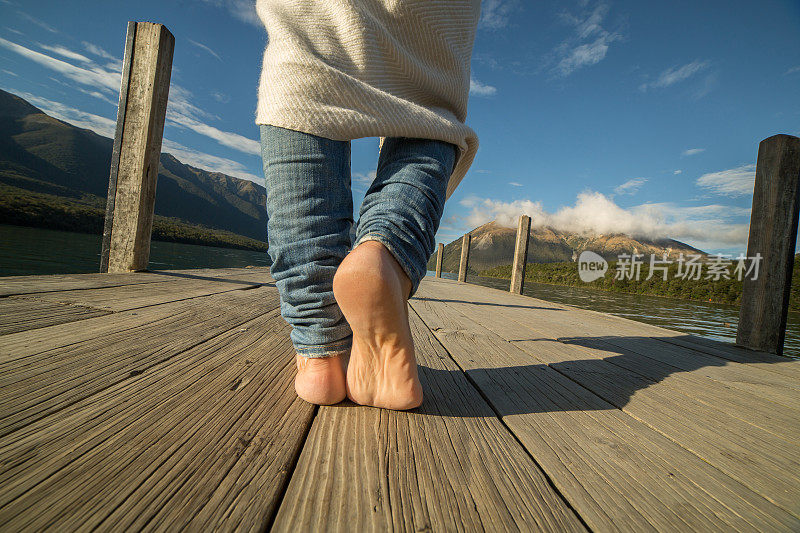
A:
[(464, 263), (520, 254), (773, 233), (439, 255), (147, 67)]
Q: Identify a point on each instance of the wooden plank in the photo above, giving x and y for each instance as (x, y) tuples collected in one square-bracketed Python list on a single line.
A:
[(520, 254), (142, 295), (33, 345), (745, 397), (202, 442), (439, 256), (773, 237), (19, 285), (24, 314), (463, 265), (447, 466), (74, 372), (485, 296), (147, 92), (615, 471)]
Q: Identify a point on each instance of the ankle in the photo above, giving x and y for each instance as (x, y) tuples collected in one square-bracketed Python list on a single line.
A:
[(371, 263)]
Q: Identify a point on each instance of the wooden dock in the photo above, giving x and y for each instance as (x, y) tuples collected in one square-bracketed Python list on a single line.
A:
[(165, 401)]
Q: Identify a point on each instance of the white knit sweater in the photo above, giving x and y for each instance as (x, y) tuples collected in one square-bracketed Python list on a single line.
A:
[(345, 69)]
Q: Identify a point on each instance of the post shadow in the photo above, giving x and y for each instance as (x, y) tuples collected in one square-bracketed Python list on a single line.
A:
[(592, 384), (471, 302)]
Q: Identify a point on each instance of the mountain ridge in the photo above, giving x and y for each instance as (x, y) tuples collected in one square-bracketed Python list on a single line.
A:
[(492, 245), (42, 154)]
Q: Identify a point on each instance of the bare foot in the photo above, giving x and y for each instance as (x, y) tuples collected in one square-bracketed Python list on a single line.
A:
[(321, 380), (372, 291)]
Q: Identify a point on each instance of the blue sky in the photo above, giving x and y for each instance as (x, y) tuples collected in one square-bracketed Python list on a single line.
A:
[(638, 117)]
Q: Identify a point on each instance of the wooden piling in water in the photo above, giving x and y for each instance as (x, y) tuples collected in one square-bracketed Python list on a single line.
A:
[(147, 67), (439, 255), (773, 233), (464, 263), (520, 254)]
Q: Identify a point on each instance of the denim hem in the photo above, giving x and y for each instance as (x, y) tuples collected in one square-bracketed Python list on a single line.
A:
[(326, 350), (405, 264)]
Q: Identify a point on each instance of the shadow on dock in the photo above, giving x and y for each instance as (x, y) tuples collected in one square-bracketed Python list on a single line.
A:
[(492, 304), (605, 383)]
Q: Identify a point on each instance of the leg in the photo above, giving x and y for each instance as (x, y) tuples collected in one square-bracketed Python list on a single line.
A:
[(394, 240), (310, 212)]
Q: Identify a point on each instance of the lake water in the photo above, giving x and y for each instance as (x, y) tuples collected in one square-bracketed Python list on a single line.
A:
[(40, 251)]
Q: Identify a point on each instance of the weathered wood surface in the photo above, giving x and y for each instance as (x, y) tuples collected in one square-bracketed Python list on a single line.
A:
[(16, 285), (463, 264), (520, 254), (173, 408), (448, 466), (647, 424), (20, 314), (136, 171), (439, 257), (773, 235)]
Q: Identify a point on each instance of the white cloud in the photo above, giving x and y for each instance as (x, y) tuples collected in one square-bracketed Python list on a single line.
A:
[(11, 73), (737, 181), (364, 178), (361, 181), (674, 75), (588, 45), (65, 52), (100, 125), (210, 162), (99, 96), (12, 30), (93, 75), (243, 10), (677, 171), (479, 89), (221, 97), (515, 184), (107, 128), (180, 110), (693, 151), (585, 55), (707, 227), (792, 70), (206, 48), (495, 14), (225, 138), (630, 186), (36, 21), (96, 50)]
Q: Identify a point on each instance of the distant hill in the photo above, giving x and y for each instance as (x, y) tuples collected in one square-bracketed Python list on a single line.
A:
[(493, 246), (46, 161)]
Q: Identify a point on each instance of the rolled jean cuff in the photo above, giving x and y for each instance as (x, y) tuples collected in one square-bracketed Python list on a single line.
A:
[(402, 258), (326, 350)]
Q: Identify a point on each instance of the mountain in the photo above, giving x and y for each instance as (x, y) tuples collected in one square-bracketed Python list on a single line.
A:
[(493, 245), (41, 155)]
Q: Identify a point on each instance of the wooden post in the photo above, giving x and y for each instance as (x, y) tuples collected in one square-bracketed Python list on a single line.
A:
[(439, 255), (520, 254), (137, 146), (773, 233), (462, 266)]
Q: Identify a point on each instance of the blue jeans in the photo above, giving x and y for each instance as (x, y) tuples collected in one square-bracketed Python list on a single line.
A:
[(310, 216)]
